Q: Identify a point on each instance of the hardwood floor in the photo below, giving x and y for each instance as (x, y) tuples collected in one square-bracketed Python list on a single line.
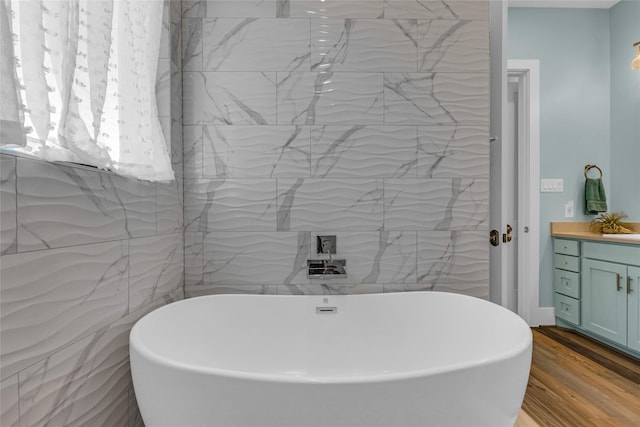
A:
[(576, 381)]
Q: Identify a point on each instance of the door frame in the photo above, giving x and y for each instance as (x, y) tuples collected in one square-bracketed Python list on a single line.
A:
[(527, 73)]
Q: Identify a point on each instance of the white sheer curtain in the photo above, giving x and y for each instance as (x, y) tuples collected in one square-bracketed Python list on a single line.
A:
[(82, 83)]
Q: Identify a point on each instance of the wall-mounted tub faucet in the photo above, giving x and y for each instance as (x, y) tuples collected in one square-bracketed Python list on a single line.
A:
[(326, 268)]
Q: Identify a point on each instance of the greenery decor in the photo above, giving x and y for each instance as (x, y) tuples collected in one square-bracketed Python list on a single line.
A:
[(611, 223)]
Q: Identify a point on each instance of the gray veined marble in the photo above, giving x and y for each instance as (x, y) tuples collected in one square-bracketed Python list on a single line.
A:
[(9, 409), (260, 152), (329, 98), (453, 257), (229, 98), (169, 198), (361, 151), (437, 9), (64, 206), (221, 289), (192, 153), (230, 205), (436, 99), (192, 44), (163, 88), (330, 288), (241, 258), (73, 292), (8, 205), (436, 204), (364, 45), (156, 268), (323, 9), (193, 258), (239, 44), (86, 383), (450, 46), (230, 8), (453, 151), (316, 204)]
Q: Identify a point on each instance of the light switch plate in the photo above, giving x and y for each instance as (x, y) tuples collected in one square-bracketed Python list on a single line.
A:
[(551, 185)]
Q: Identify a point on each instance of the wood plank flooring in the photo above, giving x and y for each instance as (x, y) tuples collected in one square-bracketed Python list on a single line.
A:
[(576, 381)]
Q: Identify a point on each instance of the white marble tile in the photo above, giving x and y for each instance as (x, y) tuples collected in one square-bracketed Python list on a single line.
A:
[(256, 151), (436, 204), (229, 98), (193, 258), (163, 88), (452, 46), (138, 199), (330, 288), (436, 9), (255, 44), (192, 44), (176, 146), (193, 161), (156, 268), (364, 45), (453, 257), (453, 152), (230, 205), (8, 206), (436, 99), (9, 406), (165, 32), (202, 290), (73, 292), (86, 383), (322, 9), (194, 8), (63, 206), (372, 257), (363, 151), (317, 204), (241, 258), (135, 417), (477, 289), (241, 9), (176, 93), (169, 207), (330, 98)]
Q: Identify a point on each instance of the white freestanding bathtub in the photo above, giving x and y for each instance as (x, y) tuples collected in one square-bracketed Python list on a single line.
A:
[(388, 360)]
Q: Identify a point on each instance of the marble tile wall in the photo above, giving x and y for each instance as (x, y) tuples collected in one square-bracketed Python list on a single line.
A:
[(85, 254), (367, 119)]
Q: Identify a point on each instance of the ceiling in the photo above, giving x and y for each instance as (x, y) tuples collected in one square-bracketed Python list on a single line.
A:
[(585, 4)]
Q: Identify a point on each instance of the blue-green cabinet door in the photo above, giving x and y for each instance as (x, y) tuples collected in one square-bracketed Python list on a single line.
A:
[(633, 305), (604, 299)]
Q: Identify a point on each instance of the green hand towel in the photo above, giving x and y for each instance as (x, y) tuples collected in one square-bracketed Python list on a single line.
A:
[(595, 199)]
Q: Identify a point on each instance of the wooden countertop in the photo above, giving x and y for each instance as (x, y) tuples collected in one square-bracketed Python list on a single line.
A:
[(580, 230)]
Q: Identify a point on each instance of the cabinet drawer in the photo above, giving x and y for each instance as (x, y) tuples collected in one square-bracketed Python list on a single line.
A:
[(567, 262), (623, 254), (567, 247), (567, 283), (567, 309)]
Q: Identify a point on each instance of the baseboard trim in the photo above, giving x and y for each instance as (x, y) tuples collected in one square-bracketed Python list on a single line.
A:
[(543, 316)]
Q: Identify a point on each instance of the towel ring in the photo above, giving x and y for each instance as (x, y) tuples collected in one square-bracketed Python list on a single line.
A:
[(587, 168)]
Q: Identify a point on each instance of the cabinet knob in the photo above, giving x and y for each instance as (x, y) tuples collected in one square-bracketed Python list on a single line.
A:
[(618, 286)]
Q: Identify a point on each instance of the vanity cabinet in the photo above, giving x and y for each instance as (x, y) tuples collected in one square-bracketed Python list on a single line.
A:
[(597, 290), (567, 280)]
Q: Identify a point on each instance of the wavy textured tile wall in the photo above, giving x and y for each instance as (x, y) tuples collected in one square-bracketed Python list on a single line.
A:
[(8, 220), (370, 120), (80, 250)]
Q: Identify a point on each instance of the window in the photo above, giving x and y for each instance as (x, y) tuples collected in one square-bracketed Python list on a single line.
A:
[(78, 83)]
